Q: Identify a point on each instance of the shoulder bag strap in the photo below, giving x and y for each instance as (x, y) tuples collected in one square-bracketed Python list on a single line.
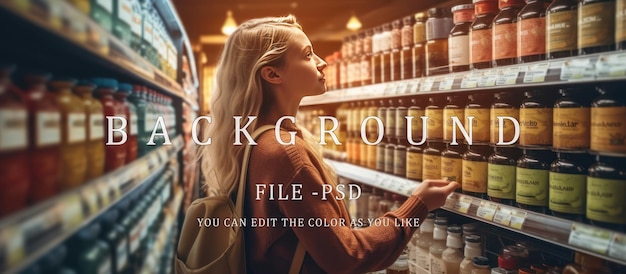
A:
[(298, 259)]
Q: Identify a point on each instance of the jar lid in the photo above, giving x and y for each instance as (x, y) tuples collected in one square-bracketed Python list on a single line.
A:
[(441, 222), (387, 27), (510, 3), (430, 215), (438, 12), (462, 7), (481, 261), (408, 20), (456, 229), (124, 87), (105, 82), (507, 261), (396, 23), (473, 238), (420, 17)]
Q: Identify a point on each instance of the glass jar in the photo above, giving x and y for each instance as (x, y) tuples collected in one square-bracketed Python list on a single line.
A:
[(562, 29), (406, 54), (431, 168), (385, 49), (531, 31), (362, 204), (620, 24), (568, 182), (480, 34), (505, 33), (400, 154), (452, 163), (481, 265), (376, 56), (372, 135), (390, 149), (438, 28), (416, 110), (354, 67), (571, 120), (606, 193), (506, 106), (458, 41), (434, 112), (478, 107), (419, 45), (608, 129), (475, 171), (374, 204), (401, 112), (396, 47), (453, 108), (414, 163), (501, 168), (390, 120), (532, 180), (535, 116), (596, 26), (366, 58)]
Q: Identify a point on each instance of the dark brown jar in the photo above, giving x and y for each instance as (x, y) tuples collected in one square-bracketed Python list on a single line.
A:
[(620, 24), (455, 107), (414, 163), (431, 168), (406, 54), (501, 168), (419, 45), (531, 31), (535, 118), (479, 106), (390, 120), (380, 156), (376, 56), (401, 112), (505, 33), (400, 154), (396, 48), (481, 33), (606, 185), (452, 162), (416, 110), (355, 61), (568, 185), (385, 62), (596, 26), (434, 112), (608, 129), (458, 41), (505, 104), (562, 29), (438, 28), (366, 58), (475, 170), (390, 149), (571, 122), (532, 180)]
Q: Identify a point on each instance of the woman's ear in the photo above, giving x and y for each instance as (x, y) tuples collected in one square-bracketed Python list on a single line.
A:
[(270, 75)]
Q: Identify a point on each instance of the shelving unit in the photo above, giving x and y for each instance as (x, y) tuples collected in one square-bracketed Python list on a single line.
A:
[(567, 71), (606, 244), (28, 234)]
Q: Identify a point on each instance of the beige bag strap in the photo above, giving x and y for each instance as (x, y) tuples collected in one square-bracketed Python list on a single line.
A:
[(298, 259)]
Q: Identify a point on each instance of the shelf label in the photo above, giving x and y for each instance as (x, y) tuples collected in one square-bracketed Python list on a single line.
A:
[(104, 192), (463, 204), (12, 240), (508, 76), (611, 65), (390, 88), (71, 210), (446, 83), (590, 237), (428, 84), (90, 198), (470, 80), (414, 86), (487, 210), (163, 155), (577, 69), (536, 73), (114, 185), (451, 201), (503, 216), (401, 88), (489, 78), (618, 246), (517, 219)]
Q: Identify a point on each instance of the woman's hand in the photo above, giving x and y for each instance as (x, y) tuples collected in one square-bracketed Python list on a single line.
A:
[(434, 192)]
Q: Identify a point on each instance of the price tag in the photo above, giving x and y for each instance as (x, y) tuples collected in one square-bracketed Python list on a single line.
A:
[(517, 219), (114, 185), (577, 69), (503, 216), (590, 237), (71, 210), (536, 73), (446, 83), (390, 88), (104, 192), (487, 210), (12, 240), (618, 246), (489, 78), (611, 65), (89, 196), (451, 201), (508, 76), (414, 86), (463, 204), (401, 88), (471, 80), (428, 84)]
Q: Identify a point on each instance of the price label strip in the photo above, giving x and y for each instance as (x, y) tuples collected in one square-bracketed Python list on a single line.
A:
[(114, 185), (508, 76), (463, 204), (451, 201), (401, 88), (71, 210), (536, 73), (427, 85), (589, 237), (489, 78), (487, 210), (89, 196), (517, 219), (617, 249), (12, 241), (390, 89), (611, 65), (414, 86), (446, 83), (578, 69), (104, 192), (503, 216), (471, 80)]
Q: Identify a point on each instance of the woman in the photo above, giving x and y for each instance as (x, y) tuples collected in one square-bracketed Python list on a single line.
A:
[(267, 67)]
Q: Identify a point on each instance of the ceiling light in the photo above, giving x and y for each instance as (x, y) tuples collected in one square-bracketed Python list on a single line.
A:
[(353, 24), (229, 24)]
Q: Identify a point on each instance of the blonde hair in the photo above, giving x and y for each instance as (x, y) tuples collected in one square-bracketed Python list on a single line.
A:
[(239, 92)]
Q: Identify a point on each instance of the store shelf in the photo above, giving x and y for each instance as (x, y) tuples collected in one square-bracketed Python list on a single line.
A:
[(31, 233), (75, 33), (607, 244), (594, 68)]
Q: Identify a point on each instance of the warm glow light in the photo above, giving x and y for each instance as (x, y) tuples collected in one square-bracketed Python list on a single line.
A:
[(229, 24), (353, 24)]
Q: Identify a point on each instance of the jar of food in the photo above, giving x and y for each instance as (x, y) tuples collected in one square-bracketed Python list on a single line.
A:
[(414, 163), (536, 118), (452, 163), (376, 55), (438, 28), (608, 129), (390, 150), (406, 54), (568, 183), (400, 155), (620, 24), (596, 26), (571, 120), (454, 109), (401, 112), (480, 35), (531, 31), (475, 171), (501, 169), (532, 180), (505, 33), (562, 29), (458, 41), (415, 110), (396, 47), (478, 107), (504, 111), (390, 120), (419, 45), (606, 192), (431, 168), (434, 112), (366, 58), (385, 62)]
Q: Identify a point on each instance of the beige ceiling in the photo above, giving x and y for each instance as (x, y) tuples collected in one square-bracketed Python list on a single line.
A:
[(323, 20)]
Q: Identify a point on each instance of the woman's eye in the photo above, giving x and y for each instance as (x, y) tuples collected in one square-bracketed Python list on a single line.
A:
[(309, 54)]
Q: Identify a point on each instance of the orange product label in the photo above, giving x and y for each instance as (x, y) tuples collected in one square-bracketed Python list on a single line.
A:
[(475, 176), (447, 122), (414, 165), (452, 169), (508, 128), (480, 123), (561, 31), (480, 46), (608, 129), (570, 127), (596, 24), (504, 41), (535, 126), (431, 168), (531, 39), (434, 123)]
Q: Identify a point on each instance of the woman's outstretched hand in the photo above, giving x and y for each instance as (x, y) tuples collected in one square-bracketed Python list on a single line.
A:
[(434, 192)]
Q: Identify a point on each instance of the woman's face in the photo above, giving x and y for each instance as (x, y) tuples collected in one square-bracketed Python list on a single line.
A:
[(303, 71)]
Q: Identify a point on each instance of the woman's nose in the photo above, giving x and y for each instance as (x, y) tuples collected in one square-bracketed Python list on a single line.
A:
[(321, 64)]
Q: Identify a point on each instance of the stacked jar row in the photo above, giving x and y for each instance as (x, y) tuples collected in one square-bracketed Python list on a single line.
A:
[(487, 33)]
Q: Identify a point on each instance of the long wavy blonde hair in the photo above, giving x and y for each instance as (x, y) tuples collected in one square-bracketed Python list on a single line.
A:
[(239, 92)]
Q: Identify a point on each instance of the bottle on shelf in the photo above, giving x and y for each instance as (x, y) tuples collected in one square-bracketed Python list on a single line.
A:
[(472, 250), (458, 41), (480, 34), (437, 246), (406, 54), (438, 28), (506, 106), (143, 126), (115, 154), (416, 111), (620, 24), (501, 169), (562, 29), (475, 171), (376, 56), (374, 203), (419, 45), (596, 26), (95, 129), (452, 163), (608, 131), (507, 264), (423, 243), (571, 120), (478, 107), (481, 265), (431, 159), (396, 48), (536, 117), (102, 13), (531, 31), (112, 233), (606, 185), (122, 20), (400, 266), (453, 254), (532, 180), (586, 264), (434, 112), (454, 109), (568, 184), (88, 254), (136, 26), (414, 163), (366, 58), (504, 43), (385, 49), (130, 111)]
